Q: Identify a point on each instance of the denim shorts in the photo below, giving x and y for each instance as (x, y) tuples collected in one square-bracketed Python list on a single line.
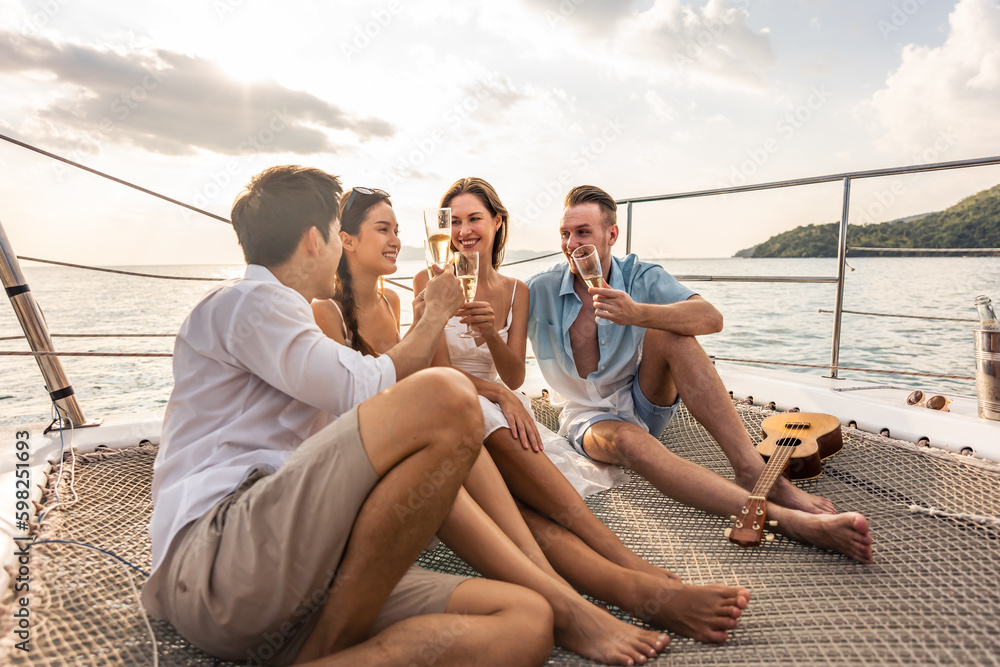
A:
[(654, 418)]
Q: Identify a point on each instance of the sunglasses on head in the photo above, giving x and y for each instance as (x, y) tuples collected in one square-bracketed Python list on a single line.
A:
[(364, 191)]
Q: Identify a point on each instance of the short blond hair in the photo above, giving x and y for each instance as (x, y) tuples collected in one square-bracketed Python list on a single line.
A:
[(585, 194)]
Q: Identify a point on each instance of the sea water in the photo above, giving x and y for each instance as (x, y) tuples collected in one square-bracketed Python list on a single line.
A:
[(763, 322)]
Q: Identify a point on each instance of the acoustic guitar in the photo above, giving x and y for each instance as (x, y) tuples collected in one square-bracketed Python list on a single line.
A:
[(794, 445)]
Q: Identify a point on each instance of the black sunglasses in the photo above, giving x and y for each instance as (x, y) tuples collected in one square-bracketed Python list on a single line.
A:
[(364, 191)]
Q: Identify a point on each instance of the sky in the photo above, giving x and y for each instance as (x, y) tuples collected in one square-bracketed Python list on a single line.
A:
[(647, 97)]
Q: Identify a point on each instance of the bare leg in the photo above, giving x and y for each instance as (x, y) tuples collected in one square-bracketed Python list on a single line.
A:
[(489, 491), (691, 484), (705, 613), (579, 625), (673, 364), (437, 438), (535, 481), (478, 617)]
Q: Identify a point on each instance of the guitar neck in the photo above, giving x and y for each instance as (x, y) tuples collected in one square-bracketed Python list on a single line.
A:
[(773, 469)]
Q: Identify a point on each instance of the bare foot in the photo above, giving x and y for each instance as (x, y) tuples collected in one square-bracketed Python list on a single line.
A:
[(704, 613), (632, 561), (786, 494), (846, 533), (594, 633)]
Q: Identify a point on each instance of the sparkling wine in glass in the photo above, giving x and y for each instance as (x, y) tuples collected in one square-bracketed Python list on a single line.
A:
[(437, 222), (467, 270), (588, 267)]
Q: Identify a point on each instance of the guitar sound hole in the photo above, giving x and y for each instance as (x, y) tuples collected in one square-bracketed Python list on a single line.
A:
[(789, 442)]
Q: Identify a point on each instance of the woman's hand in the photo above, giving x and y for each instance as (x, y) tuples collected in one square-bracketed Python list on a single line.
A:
[(480, 316), (521, 422)]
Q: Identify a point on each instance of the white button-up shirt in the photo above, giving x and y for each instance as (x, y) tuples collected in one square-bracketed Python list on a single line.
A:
[(253, 377)]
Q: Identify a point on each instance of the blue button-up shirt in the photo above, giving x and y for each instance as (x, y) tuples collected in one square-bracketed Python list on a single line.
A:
[(555, 306)]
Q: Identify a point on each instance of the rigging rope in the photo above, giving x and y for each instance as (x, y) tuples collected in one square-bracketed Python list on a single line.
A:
[(742, 361), (847, 368), (85, 354), (96, 335), (163, 277), (113, 178), (118, 271), (966, 250), (915, 317)]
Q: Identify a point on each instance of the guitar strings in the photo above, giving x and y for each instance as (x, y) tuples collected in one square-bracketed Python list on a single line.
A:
[(772, 471)]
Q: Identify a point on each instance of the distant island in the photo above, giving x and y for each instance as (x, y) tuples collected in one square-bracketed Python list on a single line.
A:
[(972, 223)]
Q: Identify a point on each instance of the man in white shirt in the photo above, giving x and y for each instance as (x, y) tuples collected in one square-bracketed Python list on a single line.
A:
[(297, 480)]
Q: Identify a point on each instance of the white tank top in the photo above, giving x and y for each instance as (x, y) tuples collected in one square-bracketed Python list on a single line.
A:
[(469, 357)]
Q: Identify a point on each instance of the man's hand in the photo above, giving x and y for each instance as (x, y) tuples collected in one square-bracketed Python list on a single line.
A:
[(615, 305), (443, 296)]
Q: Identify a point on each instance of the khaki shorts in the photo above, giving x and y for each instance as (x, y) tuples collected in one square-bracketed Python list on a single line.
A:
[(247, 580)]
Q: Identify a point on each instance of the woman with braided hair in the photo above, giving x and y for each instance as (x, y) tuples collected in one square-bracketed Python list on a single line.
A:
[(370, 236)]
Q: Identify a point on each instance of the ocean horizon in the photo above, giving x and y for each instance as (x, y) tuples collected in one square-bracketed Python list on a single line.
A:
[(763, 322)]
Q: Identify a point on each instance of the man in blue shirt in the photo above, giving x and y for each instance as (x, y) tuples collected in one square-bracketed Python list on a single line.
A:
[(624, 378)]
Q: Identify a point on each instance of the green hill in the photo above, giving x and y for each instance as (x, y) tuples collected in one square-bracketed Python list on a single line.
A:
[(973, 222)]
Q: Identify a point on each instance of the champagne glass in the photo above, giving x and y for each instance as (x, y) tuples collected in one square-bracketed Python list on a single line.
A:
[(467, 270), (431, 261), (437, 222), (588, 267)]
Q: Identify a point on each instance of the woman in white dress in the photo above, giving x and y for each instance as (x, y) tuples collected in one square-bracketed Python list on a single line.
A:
[(494, 360), (366, 317)]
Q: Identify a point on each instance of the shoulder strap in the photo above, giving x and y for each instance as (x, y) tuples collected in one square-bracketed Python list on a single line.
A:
[(343, 322), (389, 306)]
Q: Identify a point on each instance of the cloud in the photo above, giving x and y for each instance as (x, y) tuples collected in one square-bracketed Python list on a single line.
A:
[(710, 46), (950, 91), (171, 103), (593, 16)]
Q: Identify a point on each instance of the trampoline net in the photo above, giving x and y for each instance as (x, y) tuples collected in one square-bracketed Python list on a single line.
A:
[(929, 598)]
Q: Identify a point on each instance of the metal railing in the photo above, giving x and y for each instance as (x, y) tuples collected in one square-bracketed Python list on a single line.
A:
[(838, 280), (37, 334)]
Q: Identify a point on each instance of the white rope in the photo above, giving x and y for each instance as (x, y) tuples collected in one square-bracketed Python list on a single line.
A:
[(977, 518), (145, 619), (72, 466)]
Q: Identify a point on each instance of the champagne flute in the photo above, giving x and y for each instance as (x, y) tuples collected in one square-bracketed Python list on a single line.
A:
[(467, 270), (437, 222), (588, 267)]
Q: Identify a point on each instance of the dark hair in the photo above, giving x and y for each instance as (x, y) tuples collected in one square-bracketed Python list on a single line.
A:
[(584, 194), (350, 222), (280, 205), (491, 200)]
